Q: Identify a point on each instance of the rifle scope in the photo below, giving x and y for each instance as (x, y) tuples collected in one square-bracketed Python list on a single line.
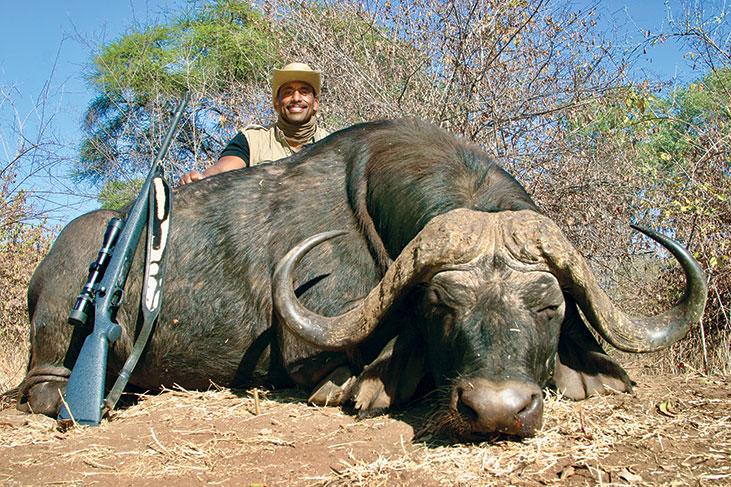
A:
[(85, 301)]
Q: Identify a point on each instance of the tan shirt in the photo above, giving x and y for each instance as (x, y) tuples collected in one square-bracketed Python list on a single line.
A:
[(265, 146)]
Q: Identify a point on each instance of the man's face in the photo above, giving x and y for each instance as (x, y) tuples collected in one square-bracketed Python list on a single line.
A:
[(296, 102)]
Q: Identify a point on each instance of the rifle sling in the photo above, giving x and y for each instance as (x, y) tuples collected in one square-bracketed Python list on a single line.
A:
[(159, 213)]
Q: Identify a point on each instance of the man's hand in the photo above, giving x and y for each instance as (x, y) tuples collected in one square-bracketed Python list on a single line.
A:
[(225, 163), (190, 177)]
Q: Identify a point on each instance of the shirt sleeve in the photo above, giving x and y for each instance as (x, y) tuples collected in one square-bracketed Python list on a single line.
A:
[(238, 147)]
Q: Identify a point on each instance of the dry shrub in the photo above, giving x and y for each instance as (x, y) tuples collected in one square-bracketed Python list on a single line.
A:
[(22, 246)]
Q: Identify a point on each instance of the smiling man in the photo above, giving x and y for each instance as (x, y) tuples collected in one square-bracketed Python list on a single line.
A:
[(295, 94)]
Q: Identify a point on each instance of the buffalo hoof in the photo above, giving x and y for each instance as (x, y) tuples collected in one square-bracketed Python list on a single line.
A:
[(42, 389), (333, 391), (600, 375)]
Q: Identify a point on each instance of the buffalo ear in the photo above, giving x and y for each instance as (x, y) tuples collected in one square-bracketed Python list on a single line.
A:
[(583, 369)]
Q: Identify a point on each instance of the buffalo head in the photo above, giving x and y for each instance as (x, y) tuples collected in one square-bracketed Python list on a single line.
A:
[(493, 297)]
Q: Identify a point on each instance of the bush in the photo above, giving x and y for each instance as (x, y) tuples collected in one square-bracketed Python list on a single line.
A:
[(22, 246)]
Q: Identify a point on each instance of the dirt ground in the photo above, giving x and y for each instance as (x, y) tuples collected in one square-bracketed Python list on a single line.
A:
[(673, 431)]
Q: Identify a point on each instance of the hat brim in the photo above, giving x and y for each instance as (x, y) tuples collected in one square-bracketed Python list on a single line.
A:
[(283, 76)]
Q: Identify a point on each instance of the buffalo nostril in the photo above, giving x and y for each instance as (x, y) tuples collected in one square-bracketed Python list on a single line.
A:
[(531, 407), (531, 417), (464, 408)]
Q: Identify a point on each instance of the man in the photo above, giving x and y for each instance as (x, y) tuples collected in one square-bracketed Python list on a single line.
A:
[(295, 94)]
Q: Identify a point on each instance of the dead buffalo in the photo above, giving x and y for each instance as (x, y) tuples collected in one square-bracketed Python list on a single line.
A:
[(444, 275)]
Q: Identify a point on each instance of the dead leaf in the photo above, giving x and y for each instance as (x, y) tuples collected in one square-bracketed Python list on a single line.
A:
[(628, 476), (666, 409), (567, 472)]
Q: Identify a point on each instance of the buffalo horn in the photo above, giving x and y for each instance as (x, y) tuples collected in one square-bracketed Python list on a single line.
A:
[(531, 241), (632, 333)]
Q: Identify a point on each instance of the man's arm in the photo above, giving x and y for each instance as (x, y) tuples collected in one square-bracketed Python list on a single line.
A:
[(234, 156)]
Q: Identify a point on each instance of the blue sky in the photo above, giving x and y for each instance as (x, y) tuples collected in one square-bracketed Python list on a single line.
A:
[(632, 19), (52, 39), (36, 34)]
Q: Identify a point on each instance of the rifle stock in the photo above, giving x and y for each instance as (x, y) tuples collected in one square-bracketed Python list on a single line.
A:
[(84, 399), (85, 389)]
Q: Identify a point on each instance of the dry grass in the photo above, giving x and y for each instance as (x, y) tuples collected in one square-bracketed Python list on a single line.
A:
[(584, 439), (13, 361), (674, 431)]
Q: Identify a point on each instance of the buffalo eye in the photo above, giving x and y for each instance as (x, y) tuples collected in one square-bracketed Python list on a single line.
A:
[(435, 300), (548, 312), (439, 315), (434, 297)]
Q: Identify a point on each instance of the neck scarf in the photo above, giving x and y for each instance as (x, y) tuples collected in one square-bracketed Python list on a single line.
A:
[(294, 134)]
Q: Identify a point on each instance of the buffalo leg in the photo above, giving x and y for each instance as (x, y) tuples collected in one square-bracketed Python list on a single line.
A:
[(583, 369)]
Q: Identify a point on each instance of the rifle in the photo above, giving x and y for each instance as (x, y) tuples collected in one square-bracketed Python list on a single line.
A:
[(104, 290)]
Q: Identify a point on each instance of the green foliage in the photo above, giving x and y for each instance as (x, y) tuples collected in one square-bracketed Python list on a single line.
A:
[(115, 194), (139, 62), (688, 116), (687, 150), (139, 78), (673, 139), (197, 49)]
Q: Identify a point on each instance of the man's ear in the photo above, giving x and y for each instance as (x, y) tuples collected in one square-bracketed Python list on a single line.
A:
[(315, 105), (276, 104)]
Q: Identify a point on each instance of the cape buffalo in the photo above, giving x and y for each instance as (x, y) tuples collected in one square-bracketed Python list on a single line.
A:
[(417, 264)]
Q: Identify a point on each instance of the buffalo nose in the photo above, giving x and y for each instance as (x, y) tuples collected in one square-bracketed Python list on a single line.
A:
[(513, 408)]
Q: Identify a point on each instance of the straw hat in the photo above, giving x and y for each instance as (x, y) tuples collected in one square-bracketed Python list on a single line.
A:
[(295, 72)]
